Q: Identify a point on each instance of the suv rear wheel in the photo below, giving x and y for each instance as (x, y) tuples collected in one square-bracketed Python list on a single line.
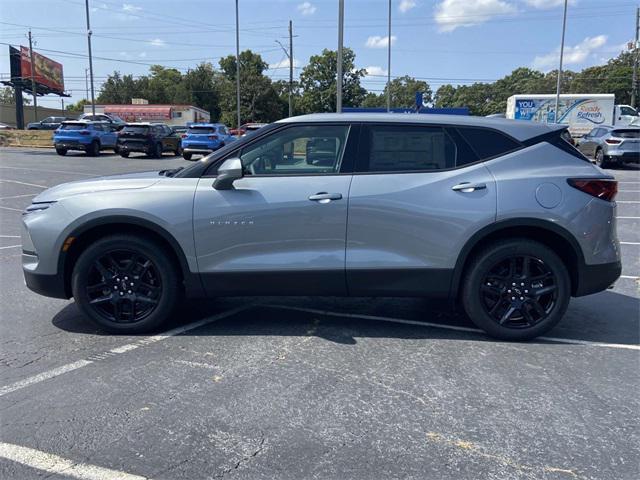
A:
[(126, 284), (186, 155), (157, 151), (61, 151), (516, 289), (601, 159), (94, 149)]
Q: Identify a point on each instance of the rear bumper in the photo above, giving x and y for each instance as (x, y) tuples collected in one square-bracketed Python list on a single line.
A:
[(47, 285), (620, 156), (202, 150), (133, 147), (70, 145), (596, 278)]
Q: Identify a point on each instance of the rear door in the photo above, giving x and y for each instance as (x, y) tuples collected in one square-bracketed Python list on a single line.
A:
[(282, 228), (418, 193)]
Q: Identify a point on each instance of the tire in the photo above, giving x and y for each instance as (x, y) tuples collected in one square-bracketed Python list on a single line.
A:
[(178, 151), (61, 151), (155, 279), (493, 285), (124, 154), (601, 159), (157, 151), (186, 155), (94, 149)]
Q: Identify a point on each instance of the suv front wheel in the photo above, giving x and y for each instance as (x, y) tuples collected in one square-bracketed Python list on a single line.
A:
[(126, 284), (516, 289)]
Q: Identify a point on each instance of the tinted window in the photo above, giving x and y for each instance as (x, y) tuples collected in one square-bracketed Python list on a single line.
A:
[(297, 150), (628, 111), (488, 143), (630, 133), (406, 148), (73, 126), (142, 130), (201, 130)]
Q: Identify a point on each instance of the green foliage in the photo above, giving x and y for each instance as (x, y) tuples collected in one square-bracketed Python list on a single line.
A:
[(8, 97), (403, 93), (77, 107), (318, 82)]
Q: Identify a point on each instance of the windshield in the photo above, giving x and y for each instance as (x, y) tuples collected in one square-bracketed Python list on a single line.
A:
[(135, 129), (201, 130)]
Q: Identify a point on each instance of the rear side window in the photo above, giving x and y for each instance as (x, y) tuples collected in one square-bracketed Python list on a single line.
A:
[(408, 148), (626, 133), (74, 126), (136, 129), (488, 143)]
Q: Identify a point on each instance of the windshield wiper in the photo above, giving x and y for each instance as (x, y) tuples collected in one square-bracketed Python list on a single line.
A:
[(170, 172)]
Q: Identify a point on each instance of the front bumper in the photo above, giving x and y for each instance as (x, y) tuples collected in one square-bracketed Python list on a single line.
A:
[(596, 278), (47, 285)]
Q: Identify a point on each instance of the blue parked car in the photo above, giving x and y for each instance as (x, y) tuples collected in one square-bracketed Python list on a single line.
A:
[(90, 137), (204, 138)]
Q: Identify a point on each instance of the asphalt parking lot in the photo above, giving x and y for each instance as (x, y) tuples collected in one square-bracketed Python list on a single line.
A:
[(310, 387)]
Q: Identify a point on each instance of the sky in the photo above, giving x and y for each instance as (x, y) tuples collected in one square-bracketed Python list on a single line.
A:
[(439, 41)]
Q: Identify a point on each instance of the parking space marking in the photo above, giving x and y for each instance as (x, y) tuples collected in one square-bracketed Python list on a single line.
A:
[(629, 277), (12, 209), (9, 236), (19, 196), (23, 183), (629, 191), (10, 246), (448, 327), (634, 218), (629, 243), (627, 201), (52, 171), (55, 465), (41, 377)]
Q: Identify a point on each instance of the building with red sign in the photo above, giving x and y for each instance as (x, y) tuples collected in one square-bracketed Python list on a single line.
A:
[(169, 114)]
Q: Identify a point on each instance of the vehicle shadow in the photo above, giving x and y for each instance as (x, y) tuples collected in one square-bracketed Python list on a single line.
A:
[(607, 317)]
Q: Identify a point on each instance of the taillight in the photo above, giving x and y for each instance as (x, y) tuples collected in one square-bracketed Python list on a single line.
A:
[(85, 132), (184, 135), (213, 137), (604, 189), (612, 141)]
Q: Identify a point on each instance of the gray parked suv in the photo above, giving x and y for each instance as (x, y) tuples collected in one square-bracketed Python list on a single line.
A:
[(504, 216), (612, 145)]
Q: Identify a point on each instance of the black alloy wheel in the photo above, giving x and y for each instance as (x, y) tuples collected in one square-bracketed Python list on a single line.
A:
[(123, 286), (519, 291)]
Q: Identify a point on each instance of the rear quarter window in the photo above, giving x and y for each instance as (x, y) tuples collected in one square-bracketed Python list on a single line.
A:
[(627, 133), (74, 126), (488, 143), (138, 130), (201, 130)]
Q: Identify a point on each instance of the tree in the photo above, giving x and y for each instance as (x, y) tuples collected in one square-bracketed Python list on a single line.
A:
[(259, 101), (8, 97), (119, 89), (318, 82), (78, 107), (200, 88), (403, 92)]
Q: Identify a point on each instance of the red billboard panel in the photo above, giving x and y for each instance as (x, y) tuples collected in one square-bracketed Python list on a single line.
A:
[(47, 72)]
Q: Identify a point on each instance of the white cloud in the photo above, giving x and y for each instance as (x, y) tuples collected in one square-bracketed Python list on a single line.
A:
[(157, 42), (451, 14), (377, 41), (374, 70), (546, 4), (307, 8), (573, 55), (406, 5), (284, 63), (127, 7)]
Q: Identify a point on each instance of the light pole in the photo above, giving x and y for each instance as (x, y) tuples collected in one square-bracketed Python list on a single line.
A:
[(636, 57), (238, 63), (339, 56), (389, 62), (93, 98), (564, 28), (34, 87)]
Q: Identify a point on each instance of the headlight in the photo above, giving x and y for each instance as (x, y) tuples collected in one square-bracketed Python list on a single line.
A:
[(37, 207)]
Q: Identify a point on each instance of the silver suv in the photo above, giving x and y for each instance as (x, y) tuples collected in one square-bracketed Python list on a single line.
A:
[(612, 145), (504, 216)]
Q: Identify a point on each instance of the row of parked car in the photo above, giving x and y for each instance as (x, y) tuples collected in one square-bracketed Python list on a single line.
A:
[(152, 139)]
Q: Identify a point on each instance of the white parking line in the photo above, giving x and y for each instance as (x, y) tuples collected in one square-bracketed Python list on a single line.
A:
[(627, 201), (629, 191), (448, 327), (23, 183), (115, 351), (52, 171), (630, 277), (9, 236), (12, 209), (55, 465), (19, 196), (629, 243), (626, 218), (10, 246)]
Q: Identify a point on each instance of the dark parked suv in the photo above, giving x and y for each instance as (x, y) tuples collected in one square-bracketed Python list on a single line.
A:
[(150, 138)]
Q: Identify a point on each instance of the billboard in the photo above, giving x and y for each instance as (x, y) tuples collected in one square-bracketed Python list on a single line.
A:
[(47, 72)]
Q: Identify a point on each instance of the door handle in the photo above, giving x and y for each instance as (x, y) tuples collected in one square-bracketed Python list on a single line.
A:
[(324, 197), (466, 187)]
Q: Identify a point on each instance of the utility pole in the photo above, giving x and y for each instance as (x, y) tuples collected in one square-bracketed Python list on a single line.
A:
[(86, 83), (564, 28), (290, 68), (238, 63), (636, 58), (339, 55), (34, 89), (389, 62), (62, 102), (93, 98)]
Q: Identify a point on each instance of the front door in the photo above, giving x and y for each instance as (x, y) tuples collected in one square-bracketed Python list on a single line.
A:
[(282, 228)]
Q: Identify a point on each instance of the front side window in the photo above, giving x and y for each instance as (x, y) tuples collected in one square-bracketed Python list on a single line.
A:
[(298, 150), (409, 148), (628, 111)]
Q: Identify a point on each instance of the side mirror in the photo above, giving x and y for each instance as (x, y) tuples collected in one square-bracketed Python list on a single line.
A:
[(228, 172)]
